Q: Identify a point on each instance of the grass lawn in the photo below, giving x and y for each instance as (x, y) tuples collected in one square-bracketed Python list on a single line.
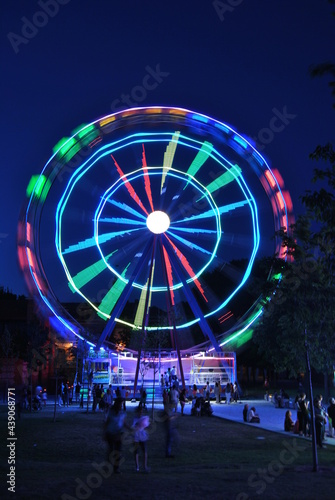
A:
[(214, 458)]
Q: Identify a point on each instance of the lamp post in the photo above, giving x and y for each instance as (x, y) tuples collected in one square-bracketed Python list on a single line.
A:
[(314, 448)]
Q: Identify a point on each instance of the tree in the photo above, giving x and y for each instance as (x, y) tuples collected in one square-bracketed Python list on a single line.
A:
[(301, 299), (297, 310)]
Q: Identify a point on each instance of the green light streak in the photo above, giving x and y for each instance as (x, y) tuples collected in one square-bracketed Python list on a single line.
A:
[(277, 276), (200, 159), (243, 339), (140, 309), (82, 133), (86, 133), (244, 335), (60, 144), (88, 274), (138, 321), (112, 296), (67, 146), (74, 150), (224, 179), (39, 185)]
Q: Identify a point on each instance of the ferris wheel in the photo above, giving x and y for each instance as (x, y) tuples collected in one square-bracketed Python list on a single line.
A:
[(151, 218)]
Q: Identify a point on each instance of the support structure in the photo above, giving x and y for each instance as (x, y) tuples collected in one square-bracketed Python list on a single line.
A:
[(146, 314), (171, 315), (192, 302), (124, 296)]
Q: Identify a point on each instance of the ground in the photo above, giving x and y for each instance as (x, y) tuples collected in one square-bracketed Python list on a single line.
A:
[(213, 458)]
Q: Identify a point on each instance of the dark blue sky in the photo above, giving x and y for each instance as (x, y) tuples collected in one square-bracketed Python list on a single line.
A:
[(79, 58)]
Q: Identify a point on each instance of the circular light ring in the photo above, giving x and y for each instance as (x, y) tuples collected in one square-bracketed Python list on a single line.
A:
[(249, 199), (53, 170)]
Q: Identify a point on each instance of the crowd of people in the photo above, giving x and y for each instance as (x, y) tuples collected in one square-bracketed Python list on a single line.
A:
[(323, 416), (113, 404), (116, 423)]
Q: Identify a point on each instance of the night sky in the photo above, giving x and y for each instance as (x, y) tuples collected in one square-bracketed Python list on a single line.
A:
[(245, 63)]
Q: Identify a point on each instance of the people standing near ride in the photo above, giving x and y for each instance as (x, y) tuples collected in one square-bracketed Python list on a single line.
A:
[(94, 393), (140, 438), (320, 421), (108, 400), (217, 391), (302, 413), (77, 391), (70, 394), (114, 429), (169, 376), (102, 398), (38, 391), (196, 406), (182, 399), (165, 399), (174, 395), (123, 397), (66, 395), (44, 397), (97, 396), (331, 416), (143, 399), (171, 434), (167, 379), (228, 392), (235, 392), (207, 391)]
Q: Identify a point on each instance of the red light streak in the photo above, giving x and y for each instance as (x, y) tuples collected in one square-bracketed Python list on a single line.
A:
[(288, 201), (31, 262), (280, 200), (278, 177), (270, 179), (169, 274), (187, 266), (226, 316), (95, 141), (129, 187), (28, 232)]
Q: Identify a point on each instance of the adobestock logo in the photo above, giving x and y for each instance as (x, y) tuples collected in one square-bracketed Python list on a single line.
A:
[(138, 93), (222, 7), (279, 121), (40, 19), (259, 481)]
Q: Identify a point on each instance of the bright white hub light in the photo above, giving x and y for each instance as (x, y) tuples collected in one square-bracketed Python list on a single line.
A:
[(158, 222)]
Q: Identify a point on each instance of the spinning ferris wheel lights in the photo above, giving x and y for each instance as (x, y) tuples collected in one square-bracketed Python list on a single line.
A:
[(95, 199)]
